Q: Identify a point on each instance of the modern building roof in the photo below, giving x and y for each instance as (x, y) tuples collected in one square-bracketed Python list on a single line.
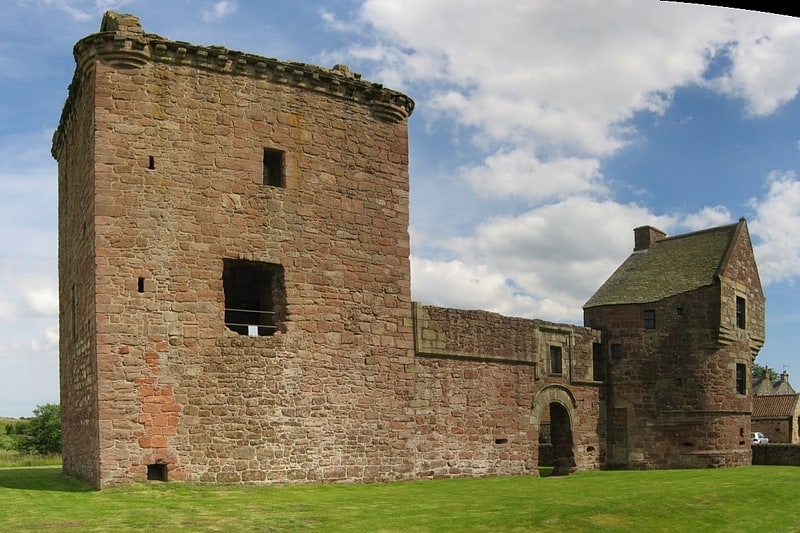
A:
[(774, 405), (668, 267)]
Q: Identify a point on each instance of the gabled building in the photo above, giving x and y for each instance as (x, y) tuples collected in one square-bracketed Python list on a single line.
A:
[(776, 409), (682, 321)]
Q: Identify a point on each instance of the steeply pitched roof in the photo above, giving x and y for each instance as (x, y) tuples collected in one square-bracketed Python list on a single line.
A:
[(671, 266), (764, 387), (774, 405)]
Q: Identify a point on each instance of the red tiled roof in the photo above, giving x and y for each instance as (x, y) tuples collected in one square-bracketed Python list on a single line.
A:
[(774, 405)]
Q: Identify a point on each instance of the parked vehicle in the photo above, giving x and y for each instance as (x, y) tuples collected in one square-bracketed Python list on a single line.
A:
[(758, 438)]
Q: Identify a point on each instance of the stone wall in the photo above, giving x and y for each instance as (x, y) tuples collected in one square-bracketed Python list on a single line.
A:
[(482, 385), (77, 302)]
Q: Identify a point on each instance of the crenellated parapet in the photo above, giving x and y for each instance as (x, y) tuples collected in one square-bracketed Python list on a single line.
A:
[(123, 44)]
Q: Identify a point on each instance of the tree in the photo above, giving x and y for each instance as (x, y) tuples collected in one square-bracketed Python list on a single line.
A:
[(42, 432), (760, 372)]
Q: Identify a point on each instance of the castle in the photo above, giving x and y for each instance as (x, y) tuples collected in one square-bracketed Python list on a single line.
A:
[(235, 300)]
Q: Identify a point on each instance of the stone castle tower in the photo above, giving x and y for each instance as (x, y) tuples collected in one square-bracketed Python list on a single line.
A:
[(234, 264)]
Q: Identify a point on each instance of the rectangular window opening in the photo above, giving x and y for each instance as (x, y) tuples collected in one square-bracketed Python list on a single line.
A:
[(616, 352), (157, 472), (255, 299), (555, 361), (151, 163), (679, 311), (649, 319), (740, 312), (741, 378), (598, 362), (140, 285), (273, 168)]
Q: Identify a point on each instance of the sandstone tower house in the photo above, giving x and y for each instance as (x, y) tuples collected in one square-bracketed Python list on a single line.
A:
[(234, 265), (683, 320)]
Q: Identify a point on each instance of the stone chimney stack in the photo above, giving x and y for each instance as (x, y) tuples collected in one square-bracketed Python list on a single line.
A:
[(645, 236), (784, 376)]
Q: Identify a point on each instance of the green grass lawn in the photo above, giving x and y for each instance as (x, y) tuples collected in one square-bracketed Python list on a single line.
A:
[(758, 498)]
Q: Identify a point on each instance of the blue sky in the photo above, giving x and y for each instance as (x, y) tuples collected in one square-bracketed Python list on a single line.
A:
[(544, 133)]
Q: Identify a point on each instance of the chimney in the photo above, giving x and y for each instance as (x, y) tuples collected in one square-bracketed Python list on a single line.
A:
[(645, 236), (784, 376)]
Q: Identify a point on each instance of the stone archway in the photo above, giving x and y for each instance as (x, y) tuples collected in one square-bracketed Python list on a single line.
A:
[(554, 410)]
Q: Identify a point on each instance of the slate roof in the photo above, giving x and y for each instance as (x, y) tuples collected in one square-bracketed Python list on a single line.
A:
[(671, 266), (763, 386), (774, 405)]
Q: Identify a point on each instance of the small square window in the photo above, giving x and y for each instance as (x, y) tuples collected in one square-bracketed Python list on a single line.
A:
[(649, 319), (616, 352), (555, 361), (273, 168), (679, 311), (740, 312)]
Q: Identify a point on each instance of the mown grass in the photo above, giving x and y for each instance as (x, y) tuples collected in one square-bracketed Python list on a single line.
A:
[(759, 498)]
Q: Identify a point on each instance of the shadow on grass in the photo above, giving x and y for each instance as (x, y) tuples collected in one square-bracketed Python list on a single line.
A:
[(49, 478)]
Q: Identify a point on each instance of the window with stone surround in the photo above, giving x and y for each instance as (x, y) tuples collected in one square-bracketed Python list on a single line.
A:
[(740, 312), (741, 378), (649, 319), (598, 362), (255, 298), (555, 361), (273, 168)]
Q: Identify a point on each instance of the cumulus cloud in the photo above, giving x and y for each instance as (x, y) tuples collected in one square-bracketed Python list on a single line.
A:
[(43, 300), (219, 10), (707, 217), (765, 69), (545, 92), (564, 74), (543, 263), (519, 173), (776, 228)]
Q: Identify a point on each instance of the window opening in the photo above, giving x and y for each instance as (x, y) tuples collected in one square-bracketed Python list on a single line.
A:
[(598, 368), (74, 313), (140, 285), (740, 312), (649, 319), (151, 163), (254, 297), (273, 168), (500, 441), (679, 311), (157, 472), (741, 378), (555, 360), (616, 351)]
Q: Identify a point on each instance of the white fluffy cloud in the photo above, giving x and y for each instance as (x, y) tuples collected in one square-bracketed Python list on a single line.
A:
[(219, 10), (571, 74), (519, 173), (777, 228), (545, 91), (543, 263)]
